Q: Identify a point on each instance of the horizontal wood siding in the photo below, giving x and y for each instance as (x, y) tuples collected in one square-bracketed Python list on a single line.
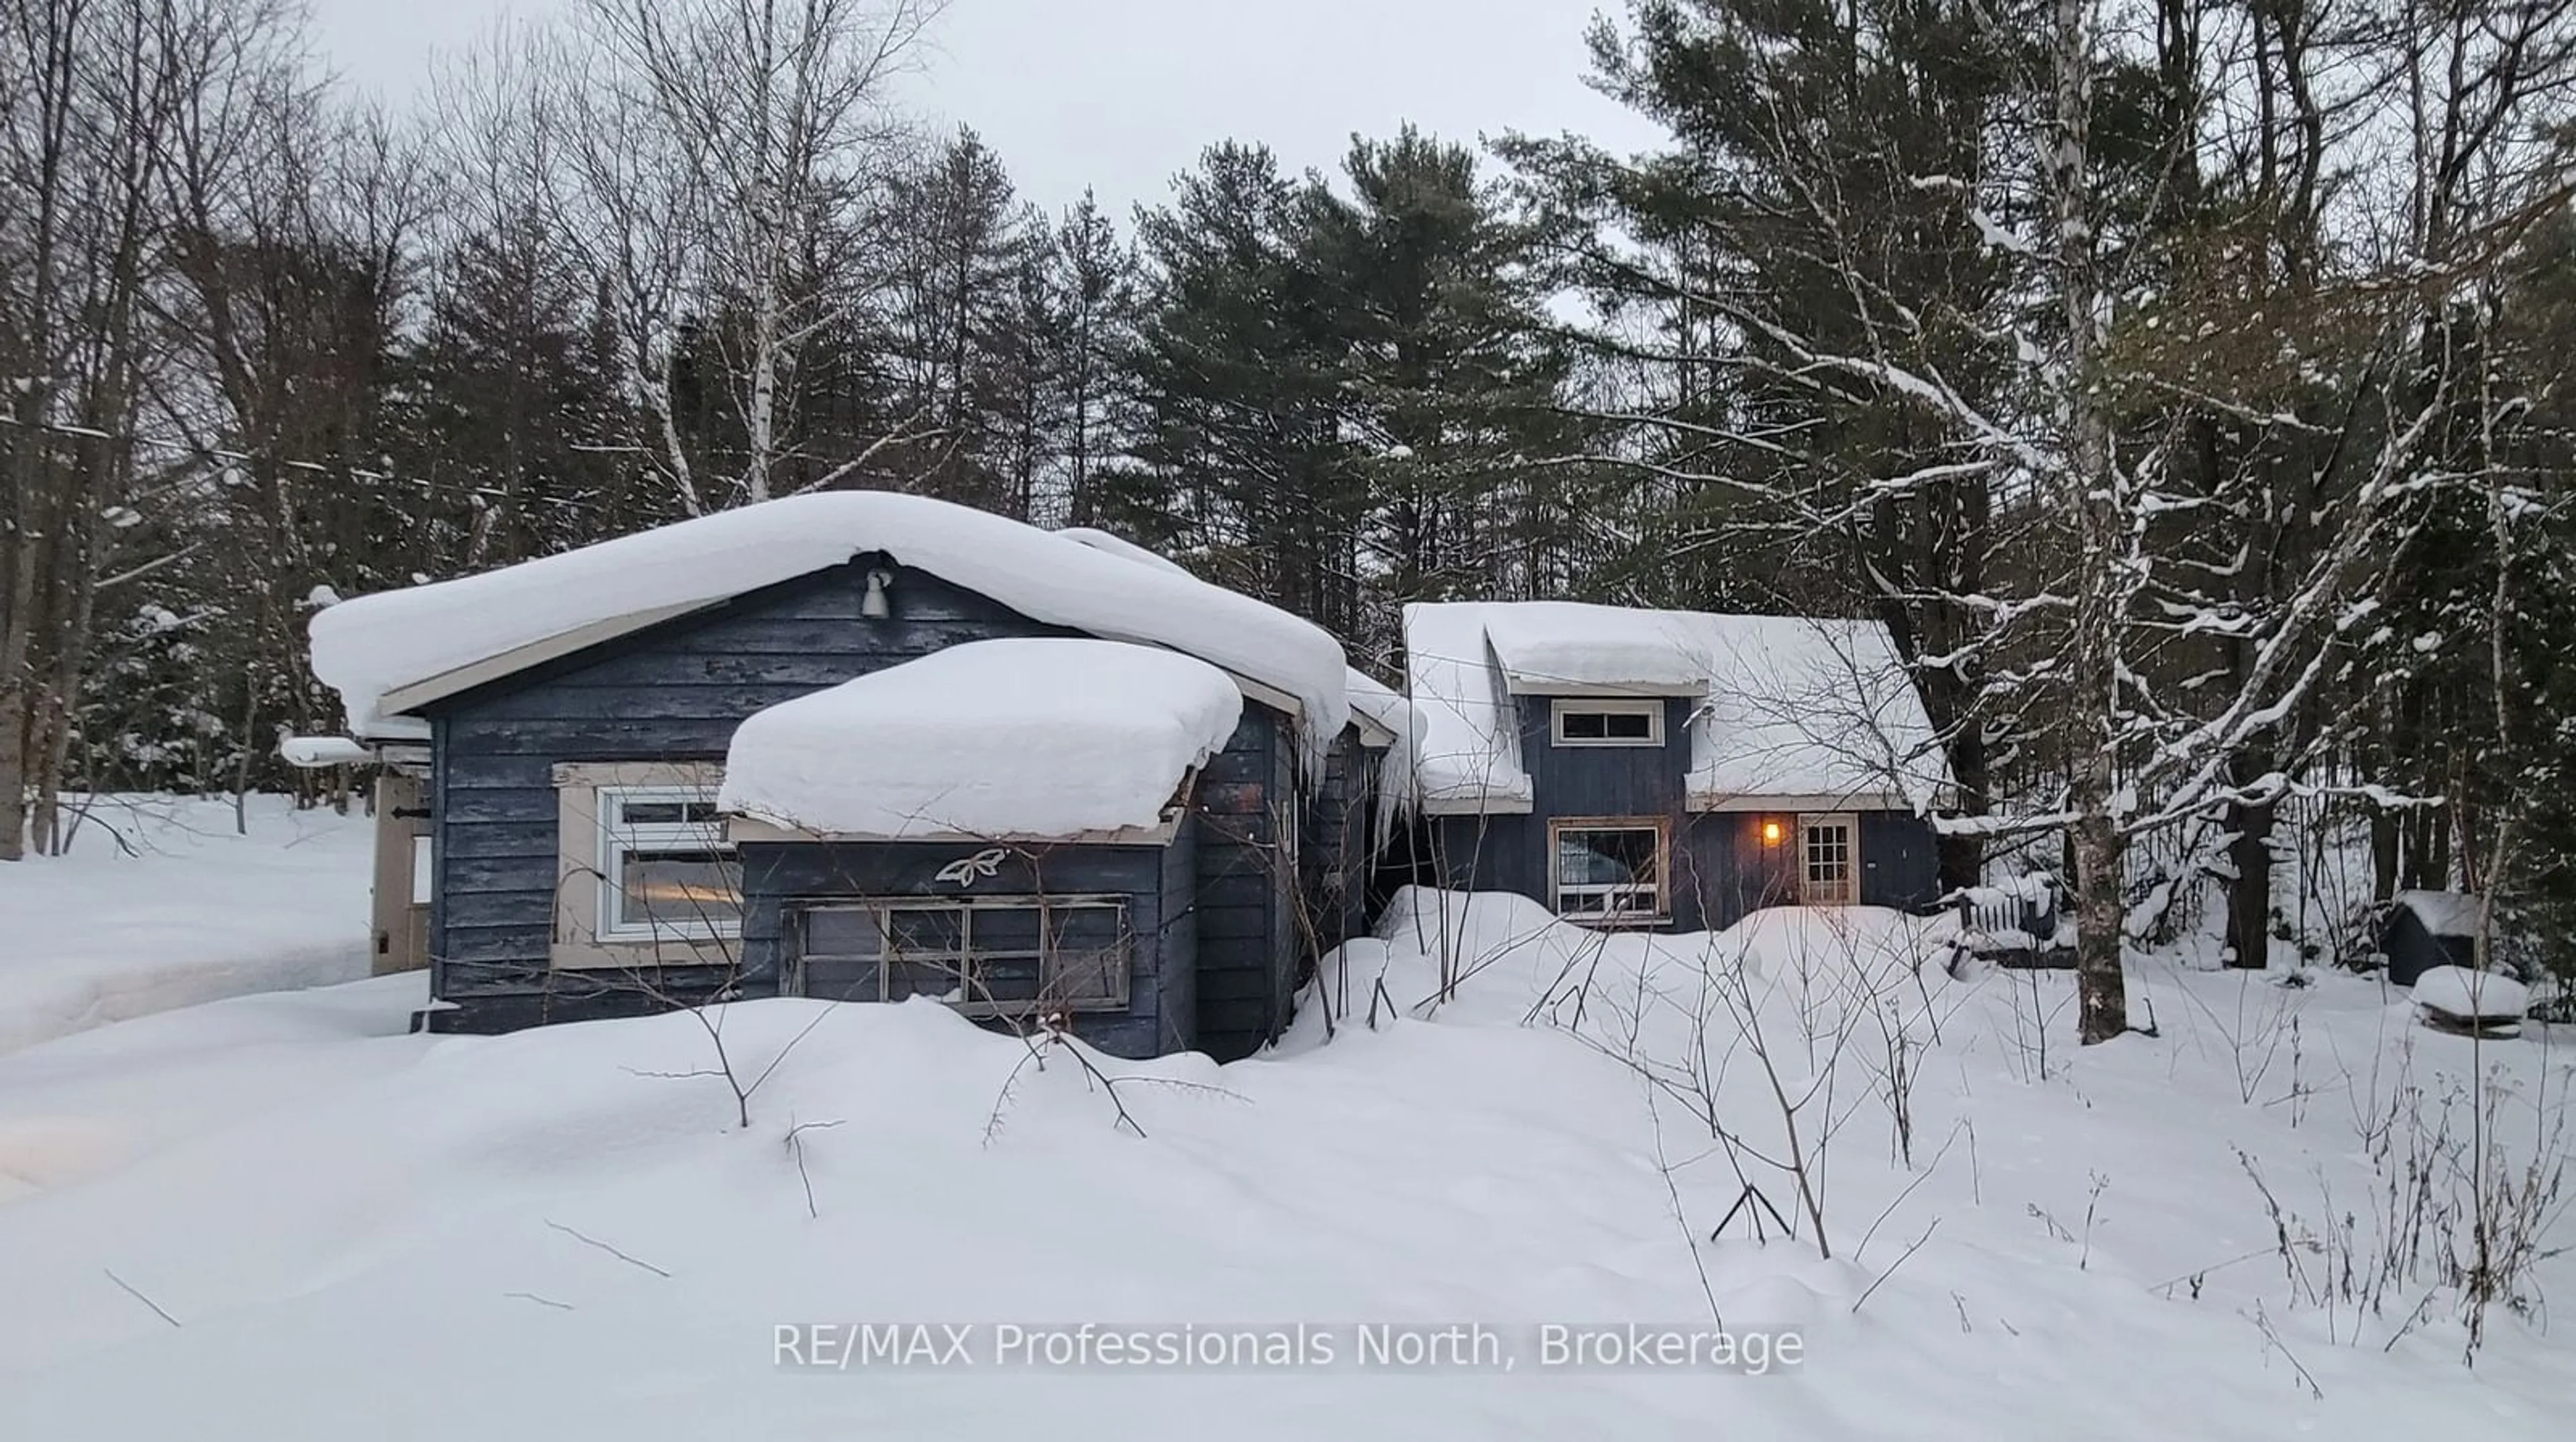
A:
[(671, 692)]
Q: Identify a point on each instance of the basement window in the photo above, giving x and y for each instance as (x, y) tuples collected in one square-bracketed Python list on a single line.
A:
[(1000, 956), (1590, 722)]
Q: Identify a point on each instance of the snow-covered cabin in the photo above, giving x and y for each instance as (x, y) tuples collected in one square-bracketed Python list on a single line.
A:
[(1668, 769), (867, 746), (2423, 931)]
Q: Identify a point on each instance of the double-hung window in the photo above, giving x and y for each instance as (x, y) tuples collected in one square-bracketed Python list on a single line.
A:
[(1609, 871), (666, 870), (986, 956)]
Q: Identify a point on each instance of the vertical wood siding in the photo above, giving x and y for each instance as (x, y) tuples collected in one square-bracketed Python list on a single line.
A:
[(1720, 868), (1246, 933)]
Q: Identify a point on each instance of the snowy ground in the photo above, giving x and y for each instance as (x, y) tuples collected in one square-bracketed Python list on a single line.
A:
[(186, 910), (356, 1232)]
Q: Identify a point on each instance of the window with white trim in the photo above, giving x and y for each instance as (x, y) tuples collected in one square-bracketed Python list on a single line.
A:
[(986, 956), (666, 870), (1592, 721), (1608, 870)]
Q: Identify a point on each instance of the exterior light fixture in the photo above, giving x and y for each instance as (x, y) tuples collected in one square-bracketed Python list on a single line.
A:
[(873, 604), (1770, 833)]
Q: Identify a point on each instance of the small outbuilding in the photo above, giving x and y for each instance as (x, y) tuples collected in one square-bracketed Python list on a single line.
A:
[(868, 746), (2423, 930)]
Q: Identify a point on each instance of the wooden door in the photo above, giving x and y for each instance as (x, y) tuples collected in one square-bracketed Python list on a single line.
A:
[(1828, 860), (402, 883)]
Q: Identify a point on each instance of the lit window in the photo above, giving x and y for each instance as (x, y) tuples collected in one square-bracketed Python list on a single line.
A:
[(1013, 956), (1610, 872), (1608, 723), (666, 869)]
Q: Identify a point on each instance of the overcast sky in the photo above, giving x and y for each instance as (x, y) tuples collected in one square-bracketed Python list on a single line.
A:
[(1122, 94)]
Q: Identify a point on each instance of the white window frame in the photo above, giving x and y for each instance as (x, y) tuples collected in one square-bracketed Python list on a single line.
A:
[(1845, 892), (966, 954), (1563, 706), (1558, 890), (616, 837)]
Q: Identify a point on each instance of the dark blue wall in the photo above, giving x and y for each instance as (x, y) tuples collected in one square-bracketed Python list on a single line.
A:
[(1605, 780), (2413, 949), (1721, 868), (1339, 839), (675, 692), (1246, 905), (1161, 1011)]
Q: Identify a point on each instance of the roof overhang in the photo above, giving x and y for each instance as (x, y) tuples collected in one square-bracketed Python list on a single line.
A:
[(1813, 802), (1476, 806), (740, 829), (398, 749), (536, 653), (1545, 686)]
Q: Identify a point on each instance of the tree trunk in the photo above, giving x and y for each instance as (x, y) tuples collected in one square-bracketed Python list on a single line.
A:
[(2249, 891), (2100, 846)]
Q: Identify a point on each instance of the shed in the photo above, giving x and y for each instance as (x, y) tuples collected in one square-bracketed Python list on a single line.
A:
[(580, 712), (2423, 930)]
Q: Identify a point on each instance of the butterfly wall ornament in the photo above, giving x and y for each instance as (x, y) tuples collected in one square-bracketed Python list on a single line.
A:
[(984, 865)]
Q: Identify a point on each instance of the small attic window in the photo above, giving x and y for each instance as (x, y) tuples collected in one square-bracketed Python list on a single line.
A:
[(1587, 721)]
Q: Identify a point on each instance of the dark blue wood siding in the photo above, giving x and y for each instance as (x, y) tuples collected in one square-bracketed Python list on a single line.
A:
[(1247, 932), (1339, 839), (672, 692), (1900, 861), (1178, 921), (1160, 1015), (1605, 780), (1721, 867)]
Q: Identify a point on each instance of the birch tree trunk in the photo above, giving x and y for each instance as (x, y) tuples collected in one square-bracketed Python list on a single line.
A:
[(2094, 485)]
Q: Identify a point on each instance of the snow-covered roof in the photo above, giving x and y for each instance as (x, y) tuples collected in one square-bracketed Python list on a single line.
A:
[(374, 646), (2479, 995), (1007, 739), (1370, 699), (2444, 913), (1816, 710)]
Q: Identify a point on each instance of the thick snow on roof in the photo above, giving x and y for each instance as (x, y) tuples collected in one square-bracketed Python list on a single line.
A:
[(2482, 995), (2444, 913), (370, 646), (1368, 696), (1470, 748), (1010, 738), (1785, 706)]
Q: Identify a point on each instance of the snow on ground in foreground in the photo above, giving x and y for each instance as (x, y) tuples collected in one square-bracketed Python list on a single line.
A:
[(197, 913), (364, 1233)]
